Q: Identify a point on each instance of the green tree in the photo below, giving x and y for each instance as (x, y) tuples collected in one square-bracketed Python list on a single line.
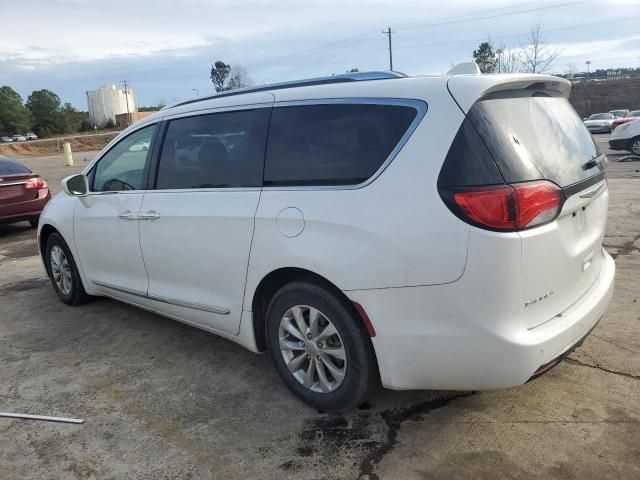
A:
[(45, 109), (219, 73), (14, 117), (70, 119), (485, 57)]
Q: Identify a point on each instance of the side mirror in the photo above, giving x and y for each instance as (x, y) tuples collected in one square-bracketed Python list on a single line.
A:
[(75, 185)]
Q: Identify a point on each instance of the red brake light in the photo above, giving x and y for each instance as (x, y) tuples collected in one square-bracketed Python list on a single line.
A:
[(509, 207), (35, 184)]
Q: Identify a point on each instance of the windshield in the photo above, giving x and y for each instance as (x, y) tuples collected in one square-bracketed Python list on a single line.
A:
[(601, 116), (534, 135)]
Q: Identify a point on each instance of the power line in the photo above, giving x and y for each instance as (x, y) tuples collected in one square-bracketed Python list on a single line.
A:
[(441, 21), (453, 17), (498, 15), (571, 27)]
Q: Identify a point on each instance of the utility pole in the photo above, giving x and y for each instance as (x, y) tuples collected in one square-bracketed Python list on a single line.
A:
[(499, 53), (388, 33), (126, 97), (588, 64)]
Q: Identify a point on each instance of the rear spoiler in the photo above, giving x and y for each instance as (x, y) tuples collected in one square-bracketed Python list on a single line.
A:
[(467, 89)]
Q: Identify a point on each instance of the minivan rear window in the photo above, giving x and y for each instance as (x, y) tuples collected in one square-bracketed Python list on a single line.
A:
[(533, 134), (332, 144)]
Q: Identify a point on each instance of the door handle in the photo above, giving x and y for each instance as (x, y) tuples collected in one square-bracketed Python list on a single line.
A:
[(149, 215), (128, 215)]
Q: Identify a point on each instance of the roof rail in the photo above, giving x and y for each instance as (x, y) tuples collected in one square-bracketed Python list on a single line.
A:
[(346, 77)]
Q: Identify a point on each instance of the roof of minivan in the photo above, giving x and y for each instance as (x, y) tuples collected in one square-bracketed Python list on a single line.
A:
[(466, 89)]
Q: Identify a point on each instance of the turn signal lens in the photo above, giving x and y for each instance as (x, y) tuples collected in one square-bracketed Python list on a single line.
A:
[(507, 207)]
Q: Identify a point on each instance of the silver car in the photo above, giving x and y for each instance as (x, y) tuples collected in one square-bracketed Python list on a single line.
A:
[(600, 122)]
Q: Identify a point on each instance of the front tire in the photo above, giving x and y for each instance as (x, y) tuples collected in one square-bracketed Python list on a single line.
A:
[(63, 271), (320, 348), (634, 146)]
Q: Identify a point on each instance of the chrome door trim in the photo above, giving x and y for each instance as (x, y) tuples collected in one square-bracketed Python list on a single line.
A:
[(420, 106), (169, 301), (129, 291), (195, 306)]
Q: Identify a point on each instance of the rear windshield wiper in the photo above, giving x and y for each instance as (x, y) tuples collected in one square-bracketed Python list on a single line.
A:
[(594, 162)]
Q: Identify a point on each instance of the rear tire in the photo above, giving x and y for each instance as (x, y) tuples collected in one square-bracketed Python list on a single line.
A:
[(331, 365), (63, 271), (634, 145), (34, 222)]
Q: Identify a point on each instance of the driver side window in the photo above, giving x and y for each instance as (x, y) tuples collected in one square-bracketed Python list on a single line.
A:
[(124, 167)]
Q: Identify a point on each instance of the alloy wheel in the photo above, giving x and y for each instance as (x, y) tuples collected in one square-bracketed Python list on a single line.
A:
[(312, 349), (635, 147), (61, 270)]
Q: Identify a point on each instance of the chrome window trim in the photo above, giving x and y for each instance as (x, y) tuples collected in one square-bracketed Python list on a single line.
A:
[(159, 298), (202, 190), (421, 110), (211, 110)]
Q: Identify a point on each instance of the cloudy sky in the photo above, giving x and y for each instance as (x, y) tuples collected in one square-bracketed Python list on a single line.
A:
[(165, 48)]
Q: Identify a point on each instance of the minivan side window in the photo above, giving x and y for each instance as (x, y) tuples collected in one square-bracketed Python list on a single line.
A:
[(125, 165), (214, 150), (332, 144)]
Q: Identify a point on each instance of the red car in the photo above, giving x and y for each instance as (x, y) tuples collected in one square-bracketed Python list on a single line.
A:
[(629, 117), (23, 194)]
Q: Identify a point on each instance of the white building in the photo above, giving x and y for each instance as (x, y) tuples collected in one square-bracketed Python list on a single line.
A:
[(108, 101)]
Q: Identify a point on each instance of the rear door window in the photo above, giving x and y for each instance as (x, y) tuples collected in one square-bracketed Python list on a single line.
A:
[(214, 151), (535, 135), (332, 144)]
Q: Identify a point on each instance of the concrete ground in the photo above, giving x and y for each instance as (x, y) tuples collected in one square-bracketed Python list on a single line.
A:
[(164, 400)]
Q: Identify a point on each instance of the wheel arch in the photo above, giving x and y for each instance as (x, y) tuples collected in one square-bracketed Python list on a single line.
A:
[(45, 232), (275, 280)]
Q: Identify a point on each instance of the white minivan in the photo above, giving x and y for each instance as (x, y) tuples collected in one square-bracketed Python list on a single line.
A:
[(418, 232)]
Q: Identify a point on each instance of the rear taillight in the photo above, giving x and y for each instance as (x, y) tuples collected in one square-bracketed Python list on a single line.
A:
[(35, 184), (506, 207)]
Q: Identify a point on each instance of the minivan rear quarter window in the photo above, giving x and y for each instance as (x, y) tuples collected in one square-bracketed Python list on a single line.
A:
[(332, 144)]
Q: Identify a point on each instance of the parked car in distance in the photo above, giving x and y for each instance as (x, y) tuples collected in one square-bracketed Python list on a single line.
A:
[(19, 138), (599, 122), (622, 112), (626, 137), (422, 233), (5, 139), (23, 194), (630, 117), (31, 136)]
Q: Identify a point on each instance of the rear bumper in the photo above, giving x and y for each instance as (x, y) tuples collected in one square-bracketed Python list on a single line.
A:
[(16, 212), (619, 144), (418, 352)]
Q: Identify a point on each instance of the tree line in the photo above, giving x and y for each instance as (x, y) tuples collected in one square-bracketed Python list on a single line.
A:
[(533, 55), (43, 113)]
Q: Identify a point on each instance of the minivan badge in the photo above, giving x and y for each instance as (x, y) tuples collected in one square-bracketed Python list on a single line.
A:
[(538, 299)]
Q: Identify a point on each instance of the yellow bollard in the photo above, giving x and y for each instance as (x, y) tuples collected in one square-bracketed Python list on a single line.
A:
[(68, 156)]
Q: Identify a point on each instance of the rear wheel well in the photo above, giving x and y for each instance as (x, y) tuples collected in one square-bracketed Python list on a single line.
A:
[(277, 279)]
